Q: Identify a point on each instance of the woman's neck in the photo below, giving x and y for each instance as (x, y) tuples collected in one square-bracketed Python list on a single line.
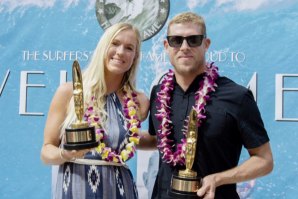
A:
[(113, 83)]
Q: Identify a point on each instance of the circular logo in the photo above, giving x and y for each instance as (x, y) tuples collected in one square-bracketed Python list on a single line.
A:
[(149, 16)]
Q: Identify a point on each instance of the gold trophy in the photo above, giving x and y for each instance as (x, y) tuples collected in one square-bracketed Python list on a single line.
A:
[(186, 183), (79, 135)]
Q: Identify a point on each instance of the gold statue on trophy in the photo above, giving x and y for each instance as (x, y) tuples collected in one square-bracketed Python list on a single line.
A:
[(191, 143), (186, 183), (80, 135), (78, 96)]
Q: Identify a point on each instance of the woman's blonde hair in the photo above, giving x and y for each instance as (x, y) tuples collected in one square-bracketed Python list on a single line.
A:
[(94, 84)]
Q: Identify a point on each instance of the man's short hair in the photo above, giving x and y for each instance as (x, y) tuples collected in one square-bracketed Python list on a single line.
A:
[(188, 17)]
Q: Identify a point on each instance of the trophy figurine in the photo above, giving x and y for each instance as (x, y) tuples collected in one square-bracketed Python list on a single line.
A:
[(186, 183), (79, 135)]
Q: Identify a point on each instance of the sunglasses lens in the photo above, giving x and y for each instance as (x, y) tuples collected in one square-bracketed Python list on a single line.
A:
[(195, 40), (175, 41)]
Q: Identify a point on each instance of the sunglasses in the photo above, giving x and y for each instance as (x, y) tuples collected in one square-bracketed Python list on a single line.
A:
[(192, 40)]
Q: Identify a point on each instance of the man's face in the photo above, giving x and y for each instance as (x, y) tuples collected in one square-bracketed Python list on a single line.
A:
[(187, 60)]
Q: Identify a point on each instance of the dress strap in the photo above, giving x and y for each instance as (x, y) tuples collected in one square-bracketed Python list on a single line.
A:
[(118, 106)]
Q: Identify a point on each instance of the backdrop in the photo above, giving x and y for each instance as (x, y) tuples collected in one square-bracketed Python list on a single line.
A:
[(254, 42)]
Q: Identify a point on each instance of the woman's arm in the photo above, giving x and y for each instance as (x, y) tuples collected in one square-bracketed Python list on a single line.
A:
[(50, 152), (147, 141), (143, 105)]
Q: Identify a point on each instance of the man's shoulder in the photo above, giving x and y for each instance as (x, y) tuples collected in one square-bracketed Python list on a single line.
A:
[(230, 90), (226, 83), (153, 93), (156, 87)]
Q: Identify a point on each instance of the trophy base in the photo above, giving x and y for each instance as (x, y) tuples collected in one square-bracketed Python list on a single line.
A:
[(184, 187), (182, 195), (80, 146), (80, 138)]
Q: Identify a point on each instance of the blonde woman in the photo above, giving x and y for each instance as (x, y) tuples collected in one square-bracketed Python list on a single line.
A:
[(112, 105)]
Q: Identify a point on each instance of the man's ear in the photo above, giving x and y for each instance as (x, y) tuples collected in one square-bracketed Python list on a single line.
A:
[(166, 45), (207, 44)]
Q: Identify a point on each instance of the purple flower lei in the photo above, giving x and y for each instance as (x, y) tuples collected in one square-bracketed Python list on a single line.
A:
[(133, 124), (165, 145)]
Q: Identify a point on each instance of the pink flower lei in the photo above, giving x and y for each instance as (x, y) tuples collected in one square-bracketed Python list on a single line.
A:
[(133, 124), (165, 129)]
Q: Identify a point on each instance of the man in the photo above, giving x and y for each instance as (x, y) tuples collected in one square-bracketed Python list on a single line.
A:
[(228, 117)]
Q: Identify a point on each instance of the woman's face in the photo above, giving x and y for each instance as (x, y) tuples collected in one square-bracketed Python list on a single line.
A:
[(121, 53)]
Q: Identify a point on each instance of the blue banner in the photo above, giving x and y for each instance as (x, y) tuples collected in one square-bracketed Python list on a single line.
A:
[(253, 42)]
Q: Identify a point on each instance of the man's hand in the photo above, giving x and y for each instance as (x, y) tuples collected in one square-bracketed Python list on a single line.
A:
[(207, 191)]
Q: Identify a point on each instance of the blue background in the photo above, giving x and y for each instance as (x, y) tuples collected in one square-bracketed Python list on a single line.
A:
[(263, 33)]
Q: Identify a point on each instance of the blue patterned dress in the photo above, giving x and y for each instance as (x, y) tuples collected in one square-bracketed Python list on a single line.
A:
[(76, 181)]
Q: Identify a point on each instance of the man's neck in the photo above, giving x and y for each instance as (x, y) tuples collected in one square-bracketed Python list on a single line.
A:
[(185, 80)]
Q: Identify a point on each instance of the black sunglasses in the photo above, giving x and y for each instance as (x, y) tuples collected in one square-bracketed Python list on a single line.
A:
[(192, 40)]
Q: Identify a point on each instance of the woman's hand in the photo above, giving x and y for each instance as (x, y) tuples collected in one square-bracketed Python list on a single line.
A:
[(69, 155)]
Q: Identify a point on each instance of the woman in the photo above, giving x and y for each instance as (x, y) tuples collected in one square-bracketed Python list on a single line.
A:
[(112, 105)]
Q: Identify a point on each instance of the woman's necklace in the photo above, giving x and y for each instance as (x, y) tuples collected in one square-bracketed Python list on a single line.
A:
[(133, 125), (165, 145)]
